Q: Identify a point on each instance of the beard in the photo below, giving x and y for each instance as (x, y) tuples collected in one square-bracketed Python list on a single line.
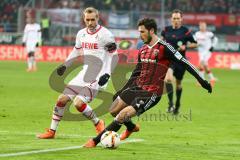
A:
[(149, 39)]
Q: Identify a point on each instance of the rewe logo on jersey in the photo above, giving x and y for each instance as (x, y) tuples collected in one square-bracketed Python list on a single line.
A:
[(88, 45)]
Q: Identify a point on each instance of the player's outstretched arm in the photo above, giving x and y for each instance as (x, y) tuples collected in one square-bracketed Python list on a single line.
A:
[(69, 61), (174, 55), (191, 69)]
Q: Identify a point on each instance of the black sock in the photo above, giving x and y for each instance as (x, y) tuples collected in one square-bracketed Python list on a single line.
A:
[(114, 126), (178, 95), (130, 125), (169, 88)]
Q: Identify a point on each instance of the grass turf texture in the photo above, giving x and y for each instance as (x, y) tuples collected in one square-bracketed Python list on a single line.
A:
[(208, 128)]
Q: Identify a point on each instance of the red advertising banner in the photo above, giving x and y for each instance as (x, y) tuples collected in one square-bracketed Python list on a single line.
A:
[(215, 19), (230, 20), (59, 54), (45, 53), (218, 60)]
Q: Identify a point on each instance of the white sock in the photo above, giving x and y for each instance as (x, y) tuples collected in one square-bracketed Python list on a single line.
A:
[(29, 62), (90, 114), (33, 62), (56, 117)]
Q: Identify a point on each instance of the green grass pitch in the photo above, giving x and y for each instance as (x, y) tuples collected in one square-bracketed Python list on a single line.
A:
[(207, 129)]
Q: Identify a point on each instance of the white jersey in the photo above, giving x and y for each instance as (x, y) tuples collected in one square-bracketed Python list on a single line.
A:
[(205, 40), (31, 36), (93, 45), (97, 60)]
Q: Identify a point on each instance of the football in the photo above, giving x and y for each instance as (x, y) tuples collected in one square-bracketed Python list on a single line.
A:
[(110, 139)]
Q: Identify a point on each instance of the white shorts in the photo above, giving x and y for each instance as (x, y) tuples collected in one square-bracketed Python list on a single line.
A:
[(204, 56), (77, 87), (31, 46)]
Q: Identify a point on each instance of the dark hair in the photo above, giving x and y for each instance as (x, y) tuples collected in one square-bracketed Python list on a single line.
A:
[(177, 11), (149, 24)]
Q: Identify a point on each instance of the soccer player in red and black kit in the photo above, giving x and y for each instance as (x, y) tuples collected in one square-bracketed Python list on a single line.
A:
[(145, 87), (180, 38)]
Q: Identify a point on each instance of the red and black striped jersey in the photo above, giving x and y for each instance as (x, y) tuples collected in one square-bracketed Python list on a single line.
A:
[(152, 66)]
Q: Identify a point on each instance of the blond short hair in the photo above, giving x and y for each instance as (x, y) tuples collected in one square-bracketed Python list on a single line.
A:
[(91, 10)]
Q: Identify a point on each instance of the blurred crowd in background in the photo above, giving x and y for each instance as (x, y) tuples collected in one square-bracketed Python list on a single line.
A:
[(9, 14), (9, 8), (196, 6)]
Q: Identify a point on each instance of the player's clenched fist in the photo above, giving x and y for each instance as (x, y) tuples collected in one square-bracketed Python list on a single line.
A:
[(61, 69), (103, 79)]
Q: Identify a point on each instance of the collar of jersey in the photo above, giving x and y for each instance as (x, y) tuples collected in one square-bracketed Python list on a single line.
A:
[(98, 28), (154, 44)]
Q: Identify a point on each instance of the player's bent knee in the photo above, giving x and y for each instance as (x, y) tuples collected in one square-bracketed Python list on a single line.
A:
[(63, 99), (168, 80), (79, 104), (81, 107), (113, 112)]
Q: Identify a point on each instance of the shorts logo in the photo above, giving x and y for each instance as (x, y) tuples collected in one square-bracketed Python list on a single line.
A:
[(152, 100), (141, 102)]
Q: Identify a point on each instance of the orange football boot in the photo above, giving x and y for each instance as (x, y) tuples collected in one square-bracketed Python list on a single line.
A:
[(90, 144), (49, 134), (127, 133)]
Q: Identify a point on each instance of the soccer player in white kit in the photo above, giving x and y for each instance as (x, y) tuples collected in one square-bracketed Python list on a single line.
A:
[(206, 42), (31, 39), (97, 46)]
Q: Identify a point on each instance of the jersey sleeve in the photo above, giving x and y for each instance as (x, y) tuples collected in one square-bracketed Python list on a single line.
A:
[(76, 51), (189, 36), (111, 56), (214, 39), (175, 56), (25, 32), (108, 37), (195, 36), (110, 63), (109, 42), (78, 44), (39, 33)]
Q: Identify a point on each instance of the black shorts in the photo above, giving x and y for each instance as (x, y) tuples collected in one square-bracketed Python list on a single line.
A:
[(178, 70), (140, 99)]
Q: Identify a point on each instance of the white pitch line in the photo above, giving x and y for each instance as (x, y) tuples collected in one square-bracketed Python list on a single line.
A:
[(34, 134), (59, 149)]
